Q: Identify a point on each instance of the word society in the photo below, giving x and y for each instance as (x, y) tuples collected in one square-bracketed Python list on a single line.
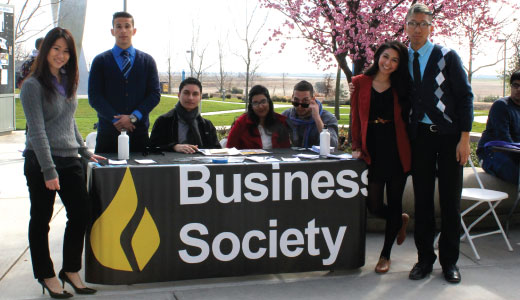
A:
[(290, 243)]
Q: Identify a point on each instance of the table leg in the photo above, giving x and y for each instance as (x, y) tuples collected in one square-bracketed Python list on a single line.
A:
[(515, 204)]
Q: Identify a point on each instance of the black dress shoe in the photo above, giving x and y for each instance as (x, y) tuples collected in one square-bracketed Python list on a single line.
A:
[(420, 270), (451, 274), (62, 295), (84, 291)]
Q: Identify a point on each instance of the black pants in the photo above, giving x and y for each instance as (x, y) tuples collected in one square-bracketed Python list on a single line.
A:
[(392, 211), (73, 194), (106, 141), (435, 155)]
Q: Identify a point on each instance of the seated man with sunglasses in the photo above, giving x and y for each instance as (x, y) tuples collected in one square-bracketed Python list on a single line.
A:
[(308, 118), (503, 124)]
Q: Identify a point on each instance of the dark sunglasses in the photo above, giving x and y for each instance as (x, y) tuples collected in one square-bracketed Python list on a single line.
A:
[(304, 105)]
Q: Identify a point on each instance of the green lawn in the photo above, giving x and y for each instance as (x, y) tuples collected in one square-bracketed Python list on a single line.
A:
[(86, 116)]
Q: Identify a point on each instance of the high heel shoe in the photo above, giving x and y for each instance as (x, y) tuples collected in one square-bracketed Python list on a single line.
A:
[(84, 291), (63, 295)]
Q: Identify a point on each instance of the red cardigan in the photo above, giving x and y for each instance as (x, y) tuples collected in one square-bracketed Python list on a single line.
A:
[(360, 110), (240, 137)]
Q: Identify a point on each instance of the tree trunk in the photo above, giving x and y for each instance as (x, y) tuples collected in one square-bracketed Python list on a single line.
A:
[(247, 86), (470, 64), (338, 92)]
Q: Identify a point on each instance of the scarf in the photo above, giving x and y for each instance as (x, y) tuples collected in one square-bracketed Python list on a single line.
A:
[(190, 118), (309, 125)]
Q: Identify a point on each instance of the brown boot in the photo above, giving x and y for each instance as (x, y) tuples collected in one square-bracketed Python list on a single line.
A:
[(383, 265), (401, 236)]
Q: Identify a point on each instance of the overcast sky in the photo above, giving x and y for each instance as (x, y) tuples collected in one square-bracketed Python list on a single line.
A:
[(165, 26)]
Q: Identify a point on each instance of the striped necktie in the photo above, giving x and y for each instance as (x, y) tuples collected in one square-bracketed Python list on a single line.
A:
[(127, 63)]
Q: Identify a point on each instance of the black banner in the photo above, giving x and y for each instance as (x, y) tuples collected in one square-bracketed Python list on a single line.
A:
[(163, 223)]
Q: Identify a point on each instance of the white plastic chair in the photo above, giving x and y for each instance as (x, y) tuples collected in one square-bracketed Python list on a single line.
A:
[(481, 196), (90, 140), (223, 142)]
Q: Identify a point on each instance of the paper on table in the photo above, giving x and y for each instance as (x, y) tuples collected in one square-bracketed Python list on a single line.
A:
[(341, 156), (253, 151), (117, 162), (262, 159), (317, 149), (308, 156), (220, 152), (145, 161), (291, 159)]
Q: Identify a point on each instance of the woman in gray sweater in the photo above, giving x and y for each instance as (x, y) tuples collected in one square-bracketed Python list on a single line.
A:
[(51, 161)]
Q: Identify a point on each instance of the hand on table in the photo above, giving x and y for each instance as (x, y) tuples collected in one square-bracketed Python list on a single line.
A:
[(186, 148), (96, 158)]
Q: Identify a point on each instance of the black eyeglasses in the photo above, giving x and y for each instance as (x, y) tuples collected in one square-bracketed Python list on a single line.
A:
[(304, 105), (261, 102), (414, 24)]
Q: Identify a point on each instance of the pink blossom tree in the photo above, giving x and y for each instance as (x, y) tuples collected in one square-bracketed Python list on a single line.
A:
[(354, 28)]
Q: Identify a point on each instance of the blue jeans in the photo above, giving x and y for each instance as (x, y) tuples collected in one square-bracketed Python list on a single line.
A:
[(501, 164)]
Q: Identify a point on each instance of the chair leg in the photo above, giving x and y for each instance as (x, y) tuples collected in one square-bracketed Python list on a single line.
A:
[(492, 207), (470, 239)]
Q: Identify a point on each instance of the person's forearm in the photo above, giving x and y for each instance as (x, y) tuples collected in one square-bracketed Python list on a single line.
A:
[(318, 122), (464, 136)]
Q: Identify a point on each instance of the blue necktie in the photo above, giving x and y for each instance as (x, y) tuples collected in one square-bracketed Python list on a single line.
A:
[(127, 63)]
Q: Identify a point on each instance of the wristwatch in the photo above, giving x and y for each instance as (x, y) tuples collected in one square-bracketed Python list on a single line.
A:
[(133, 118)]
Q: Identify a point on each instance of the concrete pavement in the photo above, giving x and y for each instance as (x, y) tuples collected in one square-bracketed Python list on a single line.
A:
[(495, 276)]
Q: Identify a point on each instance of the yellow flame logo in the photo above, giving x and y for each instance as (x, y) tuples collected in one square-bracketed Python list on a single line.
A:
[(105, 236)]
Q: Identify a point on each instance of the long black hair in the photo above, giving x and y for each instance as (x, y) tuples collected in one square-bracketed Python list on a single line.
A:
[(42, 71), (271, 122), (400, 78)]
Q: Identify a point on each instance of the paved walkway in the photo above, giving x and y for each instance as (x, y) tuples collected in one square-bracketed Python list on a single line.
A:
[(495, 276)]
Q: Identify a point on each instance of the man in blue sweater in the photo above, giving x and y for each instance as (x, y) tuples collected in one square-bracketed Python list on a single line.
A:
[(440, 122), (503, 124), (123, 87)]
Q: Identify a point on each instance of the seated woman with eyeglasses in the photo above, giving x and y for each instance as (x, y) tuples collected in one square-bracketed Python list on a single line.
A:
[(260, 127)]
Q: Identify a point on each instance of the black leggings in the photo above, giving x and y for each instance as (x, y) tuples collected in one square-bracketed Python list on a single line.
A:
[(392, 211)]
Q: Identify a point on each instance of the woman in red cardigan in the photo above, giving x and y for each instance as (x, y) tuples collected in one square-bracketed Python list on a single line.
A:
[(260, 127), (378, 105)]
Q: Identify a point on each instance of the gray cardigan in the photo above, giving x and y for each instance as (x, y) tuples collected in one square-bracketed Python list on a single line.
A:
[(52, 129)]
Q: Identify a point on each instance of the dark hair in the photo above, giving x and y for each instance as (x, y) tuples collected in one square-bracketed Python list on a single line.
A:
[(400, 78), (42, 71), (419, 8), (304, 86), (190, 80), (271, 122), (514, 76), (38, 43), (122, 14)]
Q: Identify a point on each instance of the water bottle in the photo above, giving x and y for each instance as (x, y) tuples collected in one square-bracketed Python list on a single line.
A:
[(123, 146), (324, 142)]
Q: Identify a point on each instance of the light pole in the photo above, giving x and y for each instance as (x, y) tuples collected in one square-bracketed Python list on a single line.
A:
[(505, 65)]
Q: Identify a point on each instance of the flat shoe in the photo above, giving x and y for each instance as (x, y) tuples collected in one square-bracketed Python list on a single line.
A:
[(401, 236), (383, 265)]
